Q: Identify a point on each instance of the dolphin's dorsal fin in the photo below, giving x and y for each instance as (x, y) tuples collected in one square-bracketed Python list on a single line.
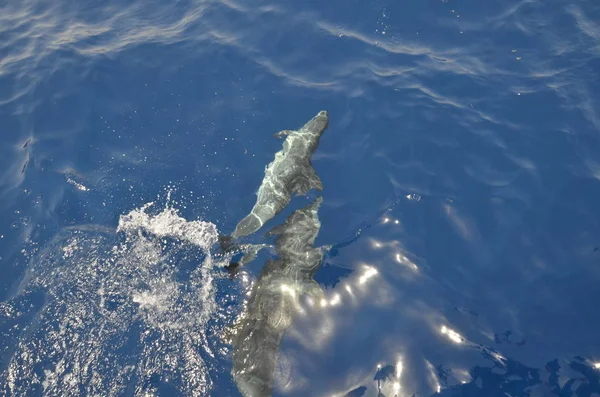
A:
[(325, 248), (307, 180), (283, 133)]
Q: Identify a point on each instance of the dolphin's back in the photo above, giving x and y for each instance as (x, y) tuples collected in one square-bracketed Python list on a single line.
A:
[(268, 315), (274, 300), (290, 172)]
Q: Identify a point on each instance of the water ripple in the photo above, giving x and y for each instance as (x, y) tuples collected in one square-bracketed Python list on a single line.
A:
[(489, 115)]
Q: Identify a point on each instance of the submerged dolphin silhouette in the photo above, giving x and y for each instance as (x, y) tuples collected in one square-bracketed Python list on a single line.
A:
[(290, 172), (273, 299)]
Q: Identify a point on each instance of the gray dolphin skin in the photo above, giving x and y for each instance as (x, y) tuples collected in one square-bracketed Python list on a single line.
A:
[(273, 301), (290, 172)]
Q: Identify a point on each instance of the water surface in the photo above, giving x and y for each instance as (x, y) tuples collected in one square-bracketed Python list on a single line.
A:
[(461, 177)]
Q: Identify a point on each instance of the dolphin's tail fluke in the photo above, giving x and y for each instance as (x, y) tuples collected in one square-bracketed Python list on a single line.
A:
[(226, 242), (232, 268)]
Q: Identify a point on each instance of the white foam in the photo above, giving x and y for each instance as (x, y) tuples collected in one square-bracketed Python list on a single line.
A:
[(103, 292), (169, 223)]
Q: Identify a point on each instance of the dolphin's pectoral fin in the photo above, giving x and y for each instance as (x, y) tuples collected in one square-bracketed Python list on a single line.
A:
[(275, 231), (306, 181), (281, 134), (248, 257), (252, 251)]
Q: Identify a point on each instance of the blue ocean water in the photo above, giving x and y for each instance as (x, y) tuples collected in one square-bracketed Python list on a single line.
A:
[(461, 201)]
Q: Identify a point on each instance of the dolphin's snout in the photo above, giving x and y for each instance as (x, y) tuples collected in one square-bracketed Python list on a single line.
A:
[(319, 123)]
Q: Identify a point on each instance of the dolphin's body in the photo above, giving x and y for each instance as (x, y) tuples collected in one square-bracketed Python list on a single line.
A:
[(290, 172), (274, 299)]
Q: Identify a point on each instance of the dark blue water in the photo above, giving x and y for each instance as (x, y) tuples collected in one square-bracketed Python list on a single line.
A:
[(461, 173)]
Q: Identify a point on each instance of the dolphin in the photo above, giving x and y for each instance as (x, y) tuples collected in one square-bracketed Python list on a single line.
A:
[(290, 172), (273, 300), (250, 252)]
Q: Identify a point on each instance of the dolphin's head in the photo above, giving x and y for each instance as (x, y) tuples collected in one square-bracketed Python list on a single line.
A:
[(299, 231), (318, 124)]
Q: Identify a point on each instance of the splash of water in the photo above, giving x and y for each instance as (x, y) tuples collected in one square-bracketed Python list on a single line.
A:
[(108, 313)]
